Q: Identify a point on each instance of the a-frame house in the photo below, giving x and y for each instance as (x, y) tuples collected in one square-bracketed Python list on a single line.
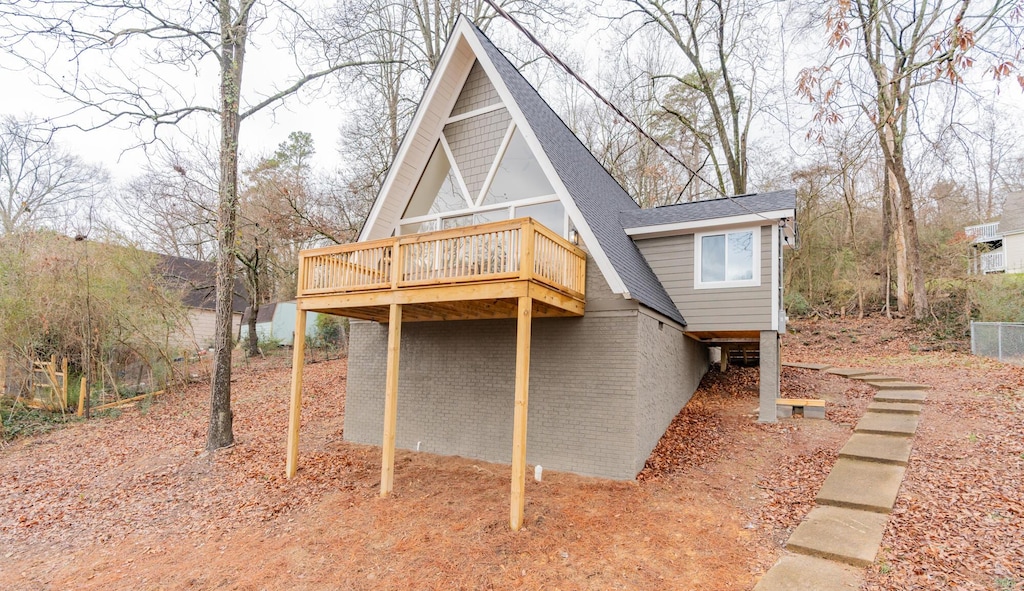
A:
[(503, 278)]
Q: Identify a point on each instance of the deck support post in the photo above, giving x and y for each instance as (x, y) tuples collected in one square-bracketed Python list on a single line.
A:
[(295, 408), (387, 467), (770, 376), (522, 392)]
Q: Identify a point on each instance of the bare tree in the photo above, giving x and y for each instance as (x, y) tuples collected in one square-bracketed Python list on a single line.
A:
[(715, 87), (41, 183), (889, 53), (406, 38), (171, 207), (160, 39)]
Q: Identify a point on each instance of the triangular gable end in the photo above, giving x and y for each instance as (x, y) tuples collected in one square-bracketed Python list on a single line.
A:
[(467, 97)]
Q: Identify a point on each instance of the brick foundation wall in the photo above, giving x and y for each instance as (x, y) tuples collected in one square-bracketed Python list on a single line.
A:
[(671, 366)]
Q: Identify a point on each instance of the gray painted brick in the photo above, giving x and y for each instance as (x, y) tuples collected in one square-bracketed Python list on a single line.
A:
[(603, 387)]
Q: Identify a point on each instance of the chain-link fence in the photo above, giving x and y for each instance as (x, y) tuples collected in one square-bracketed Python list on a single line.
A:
[(1000, 340)]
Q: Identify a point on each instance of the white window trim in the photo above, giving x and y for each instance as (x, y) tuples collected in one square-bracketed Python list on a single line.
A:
[(755, 281), (455, 168), (508, 206), (505, 141), (475, 113)]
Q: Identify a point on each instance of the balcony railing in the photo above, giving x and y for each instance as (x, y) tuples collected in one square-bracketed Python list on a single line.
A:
[(993, 262), (518, 249), (983, 232)]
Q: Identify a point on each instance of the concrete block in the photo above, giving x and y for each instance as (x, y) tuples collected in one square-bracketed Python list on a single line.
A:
[(844, 535), (783, 411), (885, 449), (900, 408), (877, 377), (797, 572), (814, 412), (904, 425), (900, 396), (850, 372), (899, 386), (799, 365), (855, 484)]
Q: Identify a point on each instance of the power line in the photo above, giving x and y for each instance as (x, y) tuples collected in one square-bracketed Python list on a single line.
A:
[(600, 97), (618, 111)]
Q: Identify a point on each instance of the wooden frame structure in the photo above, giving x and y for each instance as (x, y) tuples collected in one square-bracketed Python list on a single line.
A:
[(510, 269)]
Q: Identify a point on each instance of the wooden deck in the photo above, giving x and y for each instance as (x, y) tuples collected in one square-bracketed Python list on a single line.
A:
[(513, 269), (465, 273)]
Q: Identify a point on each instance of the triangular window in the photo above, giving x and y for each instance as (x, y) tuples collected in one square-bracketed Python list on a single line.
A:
[(519, 175), (438, 190)]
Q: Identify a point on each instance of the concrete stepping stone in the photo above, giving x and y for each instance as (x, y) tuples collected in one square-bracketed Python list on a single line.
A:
[(900, 396), (850, 372), (801, 365), (855, 484), (887, 423), (797, 572), (884, 449), (899, 386), (844, 535), (900, 408), (877, 377)]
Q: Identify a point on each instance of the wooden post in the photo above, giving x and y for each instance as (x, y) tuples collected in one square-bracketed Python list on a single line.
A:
[(522, 392), (387, 466), (295, 409), (64, 370), (83, 393)]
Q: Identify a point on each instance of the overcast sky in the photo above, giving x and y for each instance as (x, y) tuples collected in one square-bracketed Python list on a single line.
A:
[(321, 115)]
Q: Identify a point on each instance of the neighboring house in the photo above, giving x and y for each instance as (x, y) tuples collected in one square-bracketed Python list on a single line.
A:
[(276, 321), (998, 247), (197, 281), (591, 321)]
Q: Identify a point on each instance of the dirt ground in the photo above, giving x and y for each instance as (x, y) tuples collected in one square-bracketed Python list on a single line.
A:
[(131, 502)]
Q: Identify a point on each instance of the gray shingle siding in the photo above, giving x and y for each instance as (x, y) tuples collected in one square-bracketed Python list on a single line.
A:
[(599, 198), (474, 143), (477, 92)]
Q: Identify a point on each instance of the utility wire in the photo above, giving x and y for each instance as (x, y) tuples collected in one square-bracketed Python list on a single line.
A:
[(693, 173), (600, 97)]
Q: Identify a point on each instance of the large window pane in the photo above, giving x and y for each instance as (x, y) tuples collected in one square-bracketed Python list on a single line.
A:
[(740, 258), (438, 190), (550, 214), (519, 175), (416, 228), (712, 258), (473, 219)]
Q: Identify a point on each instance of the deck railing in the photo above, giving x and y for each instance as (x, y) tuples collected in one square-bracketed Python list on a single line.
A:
[(993, 262), (507, 250), (983, 232)]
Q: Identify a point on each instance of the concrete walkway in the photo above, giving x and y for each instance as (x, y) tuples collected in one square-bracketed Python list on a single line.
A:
[(840, 537)]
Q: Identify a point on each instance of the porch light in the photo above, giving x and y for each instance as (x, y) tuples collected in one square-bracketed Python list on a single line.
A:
[(574, 237)]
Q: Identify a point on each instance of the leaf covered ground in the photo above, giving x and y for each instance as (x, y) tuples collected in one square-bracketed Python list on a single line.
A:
[(131, 501)]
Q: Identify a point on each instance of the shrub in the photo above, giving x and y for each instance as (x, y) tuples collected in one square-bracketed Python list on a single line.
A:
[(796, 304)]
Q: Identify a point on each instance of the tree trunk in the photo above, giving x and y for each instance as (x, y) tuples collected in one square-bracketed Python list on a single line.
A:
[(233, 35), (253, 342)]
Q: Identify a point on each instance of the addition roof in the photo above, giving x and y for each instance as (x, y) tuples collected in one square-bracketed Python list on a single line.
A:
[(758, 204)]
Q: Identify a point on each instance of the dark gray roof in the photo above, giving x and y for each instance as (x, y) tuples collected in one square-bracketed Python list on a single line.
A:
[(1013, 213), (197, 281), (265, 315), (597, 195), (706, 210)]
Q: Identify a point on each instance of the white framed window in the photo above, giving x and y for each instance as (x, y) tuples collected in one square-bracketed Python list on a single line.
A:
[(727, 259), (515, 186)]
